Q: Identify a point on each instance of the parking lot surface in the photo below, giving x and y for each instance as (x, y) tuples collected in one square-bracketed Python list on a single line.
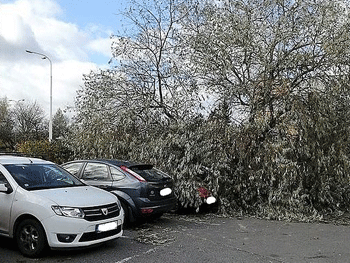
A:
[(210, 238)]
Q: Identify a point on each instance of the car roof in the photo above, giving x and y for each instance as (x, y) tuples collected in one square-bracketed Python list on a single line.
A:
[(116, 162), (12, 159), (120, 162)]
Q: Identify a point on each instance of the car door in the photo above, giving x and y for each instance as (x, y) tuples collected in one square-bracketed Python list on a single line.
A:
[(6, 200), (97, 174)]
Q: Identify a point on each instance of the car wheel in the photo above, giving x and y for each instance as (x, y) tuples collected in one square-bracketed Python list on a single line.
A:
[(158, 215), (31, 238), (126, 213)]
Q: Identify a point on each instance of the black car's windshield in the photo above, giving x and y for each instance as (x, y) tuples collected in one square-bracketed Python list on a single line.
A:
[(41, 176)]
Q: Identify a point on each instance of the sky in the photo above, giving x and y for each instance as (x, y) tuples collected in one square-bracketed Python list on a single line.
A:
[(74, 34)]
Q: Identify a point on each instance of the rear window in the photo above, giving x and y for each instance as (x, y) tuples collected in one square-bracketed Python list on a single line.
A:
[(149, 173), (41, 176)]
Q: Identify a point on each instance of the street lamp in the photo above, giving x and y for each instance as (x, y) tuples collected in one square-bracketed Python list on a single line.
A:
[(46, 57)]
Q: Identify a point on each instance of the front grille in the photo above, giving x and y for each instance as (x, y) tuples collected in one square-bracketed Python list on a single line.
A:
[(97, 213), (95, 235)]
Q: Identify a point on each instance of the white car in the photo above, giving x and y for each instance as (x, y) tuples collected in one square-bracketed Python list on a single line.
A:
[(42, 205)]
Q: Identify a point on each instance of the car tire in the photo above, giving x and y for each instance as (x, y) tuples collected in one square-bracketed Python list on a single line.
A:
[(156, 216), (31, 238), (126, 213)]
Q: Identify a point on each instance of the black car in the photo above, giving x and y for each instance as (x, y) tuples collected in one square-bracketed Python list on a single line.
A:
[(142, 189)]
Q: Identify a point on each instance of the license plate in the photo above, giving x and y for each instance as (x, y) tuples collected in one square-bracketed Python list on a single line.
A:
[(165, 192), (106, 227)]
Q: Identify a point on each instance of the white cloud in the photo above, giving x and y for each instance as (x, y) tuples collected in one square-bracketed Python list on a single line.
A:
[(101, 45), (35, 25)]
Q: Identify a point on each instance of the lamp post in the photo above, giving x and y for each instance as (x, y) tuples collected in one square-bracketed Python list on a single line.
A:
[(46, 57)]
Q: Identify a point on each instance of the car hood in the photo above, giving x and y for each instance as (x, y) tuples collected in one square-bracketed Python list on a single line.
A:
[(82, 196)]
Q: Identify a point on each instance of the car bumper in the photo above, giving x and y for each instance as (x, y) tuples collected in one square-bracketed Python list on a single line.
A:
[(64, 232), (150, 207)]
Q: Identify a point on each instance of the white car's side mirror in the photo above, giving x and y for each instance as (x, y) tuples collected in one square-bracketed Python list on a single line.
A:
[(4, 188)]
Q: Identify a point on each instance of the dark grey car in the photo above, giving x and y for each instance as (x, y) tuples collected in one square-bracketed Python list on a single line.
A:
[(143, 190)]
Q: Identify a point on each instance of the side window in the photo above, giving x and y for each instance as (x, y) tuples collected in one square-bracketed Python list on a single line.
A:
[(116, 174), (2, 179), (95, 171), (73, 168)]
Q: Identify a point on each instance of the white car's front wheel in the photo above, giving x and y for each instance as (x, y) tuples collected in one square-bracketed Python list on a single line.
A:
[(31, 238)]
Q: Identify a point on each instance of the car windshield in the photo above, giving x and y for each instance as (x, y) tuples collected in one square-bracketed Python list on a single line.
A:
[(148, 173), (41, 176)]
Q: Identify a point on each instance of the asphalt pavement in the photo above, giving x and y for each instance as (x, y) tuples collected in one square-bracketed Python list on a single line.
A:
[(216, 239), (210, 238)]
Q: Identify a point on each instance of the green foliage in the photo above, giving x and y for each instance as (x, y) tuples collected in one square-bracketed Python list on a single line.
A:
[(52, 151), (59, 125), (297, 170), (6, 125), (276, 143), (29, 121)]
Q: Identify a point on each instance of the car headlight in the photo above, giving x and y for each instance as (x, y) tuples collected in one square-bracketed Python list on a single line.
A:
[(68, 211)]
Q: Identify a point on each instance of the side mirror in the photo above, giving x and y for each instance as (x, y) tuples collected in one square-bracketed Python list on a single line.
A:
[(5, 188)]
